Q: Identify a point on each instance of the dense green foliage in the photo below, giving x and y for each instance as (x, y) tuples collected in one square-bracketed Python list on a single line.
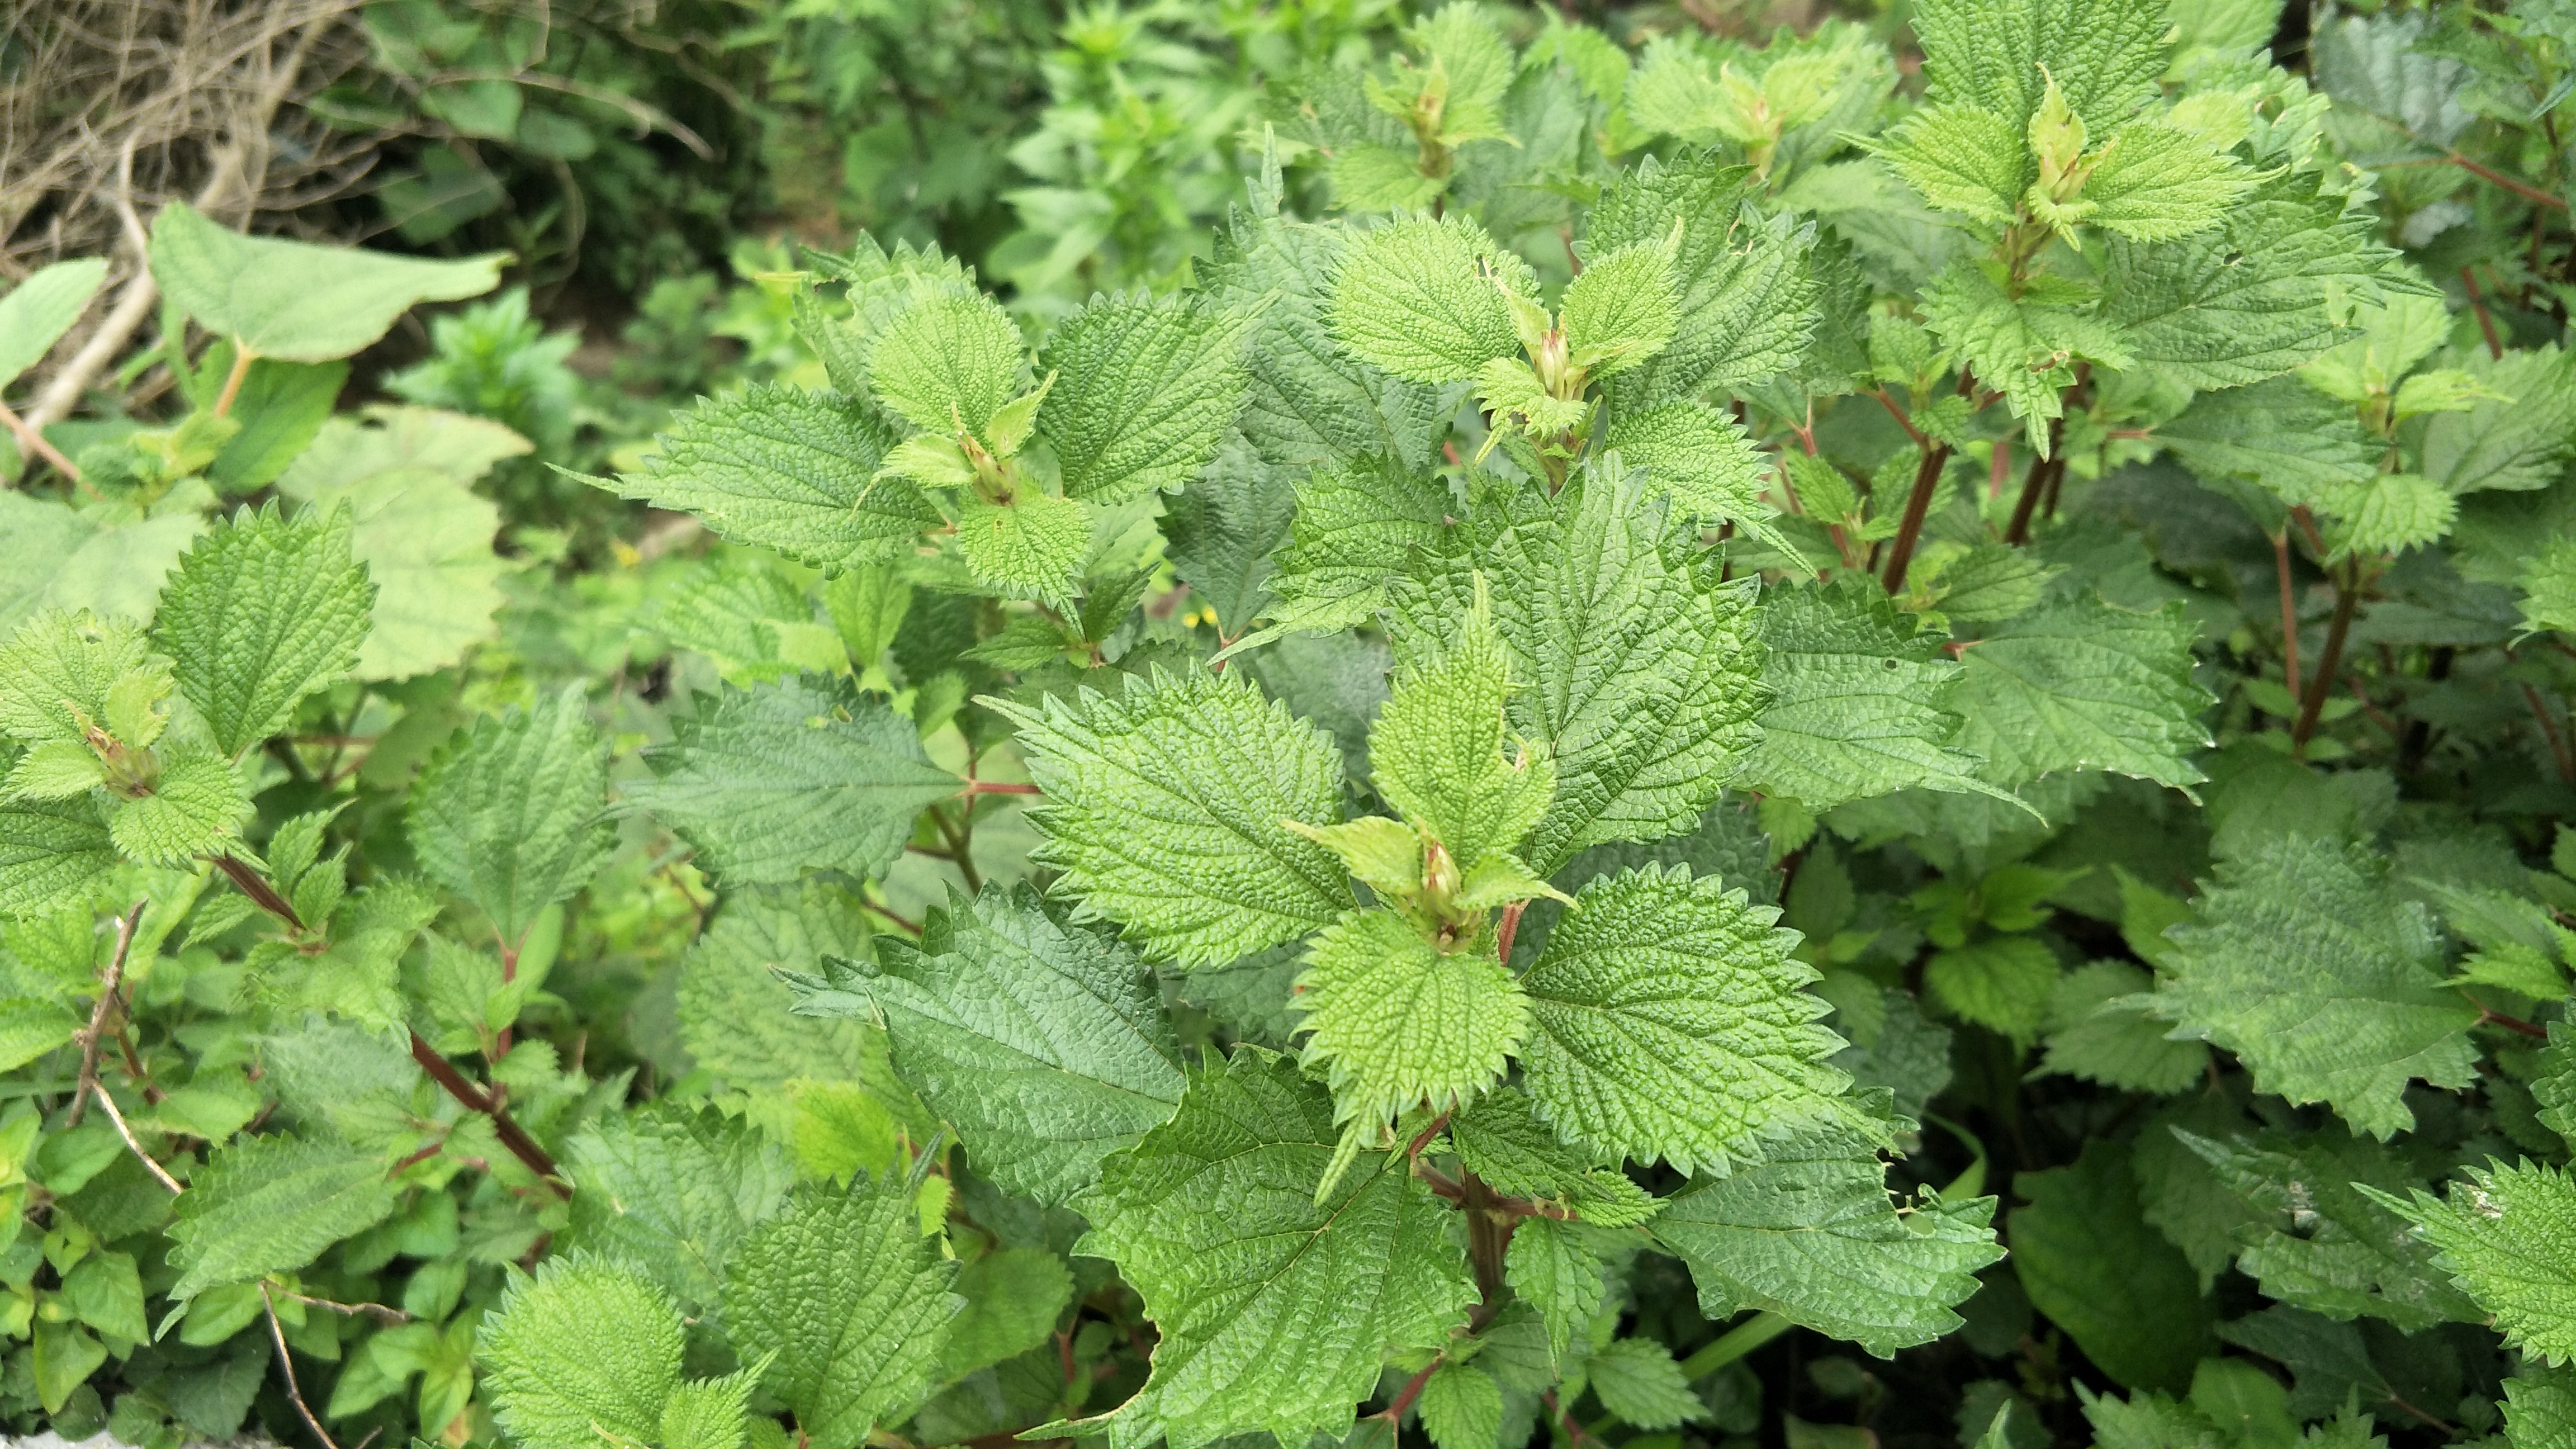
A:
[(1376, 723)]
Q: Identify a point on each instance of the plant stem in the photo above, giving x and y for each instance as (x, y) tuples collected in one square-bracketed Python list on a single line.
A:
[(33, 442), (960, 848), (1735, 1343), (512, 1135), (243, 357), (286, 1364), (90, 1036), (2289, 611), (2347, 598), (1927, 480), (2478, 304), (2522, 189)]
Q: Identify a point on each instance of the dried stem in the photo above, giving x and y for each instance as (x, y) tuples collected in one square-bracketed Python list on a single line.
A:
[(391, 1317), (93, 1034), (33, 444), (286, 1364), (107, 1104)]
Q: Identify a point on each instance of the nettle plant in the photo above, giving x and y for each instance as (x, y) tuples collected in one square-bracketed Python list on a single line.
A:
[(1452, 827)]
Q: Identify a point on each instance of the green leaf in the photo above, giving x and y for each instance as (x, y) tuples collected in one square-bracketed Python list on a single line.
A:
[(1438, 751), (1809, 1233), (736, 1009), (2262, 292), (804, 774), (1145, 391), (1460, 1404), (1747, 305), (852, 1298), (1637, 1379), (1358, 525), (1013, 1298), (2105, 55), (266, 1205), (1031, 548), (1275, 1311), (1165, 810), (2098, 1030), (1395, 1021), (32, 1026), (2540, 1408), (263, 611), (2324, 981), (1636, 670), (424, 536), (1499, 1140), (2520, 437), (947, 364), (196, 805), (38, 311), (52, 556), (1862, 700), (584, 1349), (283, 407), (1424, 299), (1700, 456), (1961, 158), (2089, 1261), (2157, 183), (2002, 983), (2085, 685), (709, 1413), (2507, 1236), (58, 671), (2313, 1237), (1672, 1025), (784, 468), (1044, 1044), (1551, 1268), (508, 813), (1624, 307), (2027, 344), (670, 1190), (1221, 534), (2283, 434), (295, 301), (51, 853)]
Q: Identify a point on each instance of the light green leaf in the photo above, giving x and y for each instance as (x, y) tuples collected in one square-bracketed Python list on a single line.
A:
[(1672, 1025), (852, 1298), (508, 813), (1862, 700), (2156, 183), (2282, 434), (423, 534), (1358, 525), (1145, 391), (51, 853), (1551, 1268), (1637, 1379), (2324, 981), (1637, 672), (736, 1010), (1810, 1234), (2520, 437), (804, 774), (709, 1413), (1424, 299), (1961, 158), (2089, 1261), (1624, 307), (584, 1349), (196, 805), (1044, 1044), (1461, 1405), (266, 1205), (1275, 1311), (1164, 810), (53, 556), (947, 364), (2085, 685), (261, 612), (1700, 456), (1501, 1141), (1030, 548), (293, 300), (1747, 302), (31, 1027), (2507, 1236), (787, 469), (1395, 1021), (38, 311), (1438, 751)]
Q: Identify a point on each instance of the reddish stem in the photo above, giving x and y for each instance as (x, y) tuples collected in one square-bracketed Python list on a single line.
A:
[(2289, 611), (1927, 478), (1510, 927), (521, 1145), (2478, 304), (998, 787)]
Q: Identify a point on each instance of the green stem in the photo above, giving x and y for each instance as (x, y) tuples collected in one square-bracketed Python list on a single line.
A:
[(1735, 1343)]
